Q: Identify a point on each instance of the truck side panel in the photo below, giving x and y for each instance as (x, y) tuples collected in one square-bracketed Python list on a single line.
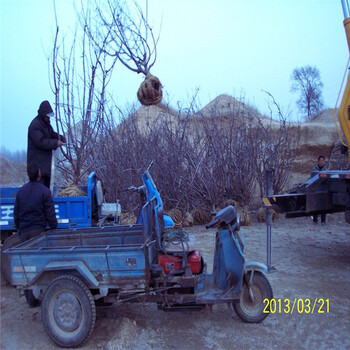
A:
[(114, 256), (110, 266), (72, 212)]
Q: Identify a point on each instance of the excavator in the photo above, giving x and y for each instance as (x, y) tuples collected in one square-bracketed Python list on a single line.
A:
[(326, 191)]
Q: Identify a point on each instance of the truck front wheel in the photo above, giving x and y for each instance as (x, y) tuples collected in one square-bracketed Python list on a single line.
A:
[(68, 311), (253, 304)]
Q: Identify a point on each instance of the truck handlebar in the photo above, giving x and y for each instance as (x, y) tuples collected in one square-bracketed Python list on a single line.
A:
[(212, 223)]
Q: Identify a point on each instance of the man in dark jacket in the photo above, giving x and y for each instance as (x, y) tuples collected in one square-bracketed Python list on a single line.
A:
[(34, 208), (42, 140), (320, 166)]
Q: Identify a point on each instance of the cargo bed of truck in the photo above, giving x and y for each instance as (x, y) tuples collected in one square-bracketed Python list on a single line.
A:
[(110, 257)]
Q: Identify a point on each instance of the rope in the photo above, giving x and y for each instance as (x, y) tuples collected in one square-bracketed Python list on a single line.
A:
[(175, 236)]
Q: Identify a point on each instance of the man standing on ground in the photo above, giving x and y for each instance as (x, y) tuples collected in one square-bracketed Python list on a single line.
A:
[(42, 140), (320, 166), (34, 208)]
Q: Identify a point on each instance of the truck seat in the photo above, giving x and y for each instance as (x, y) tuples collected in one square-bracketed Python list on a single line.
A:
[(106, 210)]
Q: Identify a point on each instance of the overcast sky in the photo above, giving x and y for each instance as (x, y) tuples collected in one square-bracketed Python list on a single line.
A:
[(220, 46)]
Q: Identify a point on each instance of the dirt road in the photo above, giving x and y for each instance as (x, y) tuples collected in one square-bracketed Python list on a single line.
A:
[(311, 261)]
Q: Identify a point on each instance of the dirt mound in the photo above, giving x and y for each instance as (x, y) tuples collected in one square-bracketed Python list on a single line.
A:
[(318, 137), (325, 116), (225, 105), (146, 115)]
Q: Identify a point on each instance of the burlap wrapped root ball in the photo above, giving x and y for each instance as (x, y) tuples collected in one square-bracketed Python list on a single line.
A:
[(244, 215), (261, 215), (71, 191), (228, 202), (128, 218), (176, 215), (150, 91), (187, 220), (200, 216)]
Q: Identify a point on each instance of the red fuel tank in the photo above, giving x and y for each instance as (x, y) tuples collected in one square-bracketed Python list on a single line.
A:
[(172, 263), (195, 260)]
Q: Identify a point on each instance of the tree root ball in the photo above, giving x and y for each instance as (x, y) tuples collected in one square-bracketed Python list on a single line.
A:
[(128, 218), (244, 216), (71, 191), (150, 91), (188, 220), (226, 203), (176, 215), (200, 216), (261, 215)]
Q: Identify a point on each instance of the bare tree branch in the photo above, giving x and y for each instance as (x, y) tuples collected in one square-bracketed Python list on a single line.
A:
[(120, 35)]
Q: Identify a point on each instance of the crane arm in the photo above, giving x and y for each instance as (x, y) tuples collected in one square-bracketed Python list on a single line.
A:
[(344, 109)]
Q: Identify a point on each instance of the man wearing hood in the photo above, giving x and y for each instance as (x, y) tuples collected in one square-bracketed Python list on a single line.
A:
[(42, 140)]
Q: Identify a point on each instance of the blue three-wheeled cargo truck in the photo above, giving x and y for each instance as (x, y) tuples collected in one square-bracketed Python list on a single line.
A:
[(68, 271)]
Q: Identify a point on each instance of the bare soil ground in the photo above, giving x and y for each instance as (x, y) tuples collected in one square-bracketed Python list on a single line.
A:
[(311, 261)]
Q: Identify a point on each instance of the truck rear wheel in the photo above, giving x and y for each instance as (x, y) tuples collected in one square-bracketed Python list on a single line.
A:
[(5, 261), (68, 311), (253, 308)]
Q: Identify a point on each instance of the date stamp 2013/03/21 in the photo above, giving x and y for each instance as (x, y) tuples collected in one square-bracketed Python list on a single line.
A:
[(298, 305)]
